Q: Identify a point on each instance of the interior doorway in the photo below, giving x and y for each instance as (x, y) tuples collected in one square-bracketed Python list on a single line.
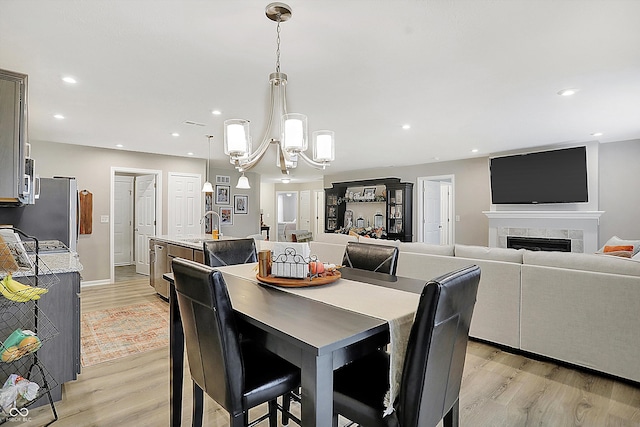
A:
[(436, 209), (145, 203), (286, 213)]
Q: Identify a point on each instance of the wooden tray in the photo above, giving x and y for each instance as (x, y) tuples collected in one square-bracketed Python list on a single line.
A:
[(299, 283)]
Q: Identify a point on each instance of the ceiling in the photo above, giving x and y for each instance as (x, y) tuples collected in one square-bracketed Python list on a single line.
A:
[(465, 74)]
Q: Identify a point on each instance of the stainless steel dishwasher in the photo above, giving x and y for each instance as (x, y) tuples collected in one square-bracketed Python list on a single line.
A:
[(158, 266)]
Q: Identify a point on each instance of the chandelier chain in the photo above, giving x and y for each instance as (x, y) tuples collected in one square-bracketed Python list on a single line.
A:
[(278, 45)]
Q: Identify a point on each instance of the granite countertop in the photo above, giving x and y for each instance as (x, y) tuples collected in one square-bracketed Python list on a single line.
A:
[(193, 241), (51, 263)]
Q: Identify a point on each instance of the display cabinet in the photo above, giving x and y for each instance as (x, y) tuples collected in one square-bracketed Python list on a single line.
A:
[(334, 209), (361, 204), (399, 210)]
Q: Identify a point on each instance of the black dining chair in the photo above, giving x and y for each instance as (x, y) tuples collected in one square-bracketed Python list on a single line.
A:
[(371, 257), (218, 253), (238, 374), (434, 361)]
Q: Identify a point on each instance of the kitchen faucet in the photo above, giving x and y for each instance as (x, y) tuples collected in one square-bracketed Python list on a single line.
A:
[(214, 213)]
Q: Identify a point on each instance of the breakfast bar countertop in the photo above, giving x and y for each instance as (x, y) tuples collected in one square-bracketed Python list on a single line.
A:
[(193, 241)]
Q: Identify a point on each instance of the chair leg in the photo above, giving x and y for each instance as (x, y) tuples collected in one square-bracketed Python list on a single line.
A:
[(452, 418), (273, 413), (198, 406), (240, 420), (286, 407)]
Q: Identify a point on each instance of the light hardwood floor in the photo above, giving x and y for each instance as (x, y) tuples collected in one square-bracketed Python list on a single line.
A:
[(499, 388)]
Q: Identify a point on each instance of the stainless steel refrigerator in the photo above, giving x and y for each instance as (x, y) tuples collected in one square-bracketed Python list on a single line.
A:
[(54, 216)]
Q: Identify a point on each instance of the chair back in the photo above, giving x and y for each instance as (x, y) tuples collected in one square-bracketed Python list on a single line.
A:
[(218, 253), (434, 361), (210, 331), (365, 256)]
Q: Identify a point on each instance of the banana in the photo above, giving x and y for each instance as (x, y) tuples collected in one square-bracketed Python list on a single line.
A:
[(18, 292), (10, 295), (17, 287)]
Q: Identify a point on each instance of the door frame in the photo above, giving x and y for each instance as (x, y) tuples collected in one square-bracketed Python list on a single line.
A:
[(131, 215), (420, 212), (158, 229)]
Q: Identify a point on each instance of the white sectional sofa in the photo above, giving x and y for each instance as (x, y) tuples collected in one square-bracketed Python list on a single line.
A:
[(582, 309)]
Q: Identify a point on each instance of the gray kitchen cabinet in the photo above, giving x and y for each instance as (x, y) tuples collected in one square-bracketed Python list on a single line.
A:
[(14, 186)]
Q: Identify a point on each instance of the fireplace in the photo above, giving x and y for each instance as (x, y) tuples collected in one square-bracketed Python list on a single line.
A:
[(539, 243)]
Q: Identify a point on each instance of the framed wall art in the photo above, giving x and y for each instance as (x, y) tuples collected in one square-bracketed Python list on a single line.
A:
[(223, 195), (226, 215), (240, 204)]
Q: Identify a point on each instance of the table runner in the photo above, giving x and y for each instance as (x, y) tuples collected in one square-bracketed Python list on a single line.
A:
[(394, 306)]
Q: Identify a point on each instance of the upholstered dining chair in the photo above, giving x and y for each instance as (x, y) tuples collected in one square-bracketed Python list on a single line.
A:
[(237, 374), (365, 256), (218, 253), (432, 372)]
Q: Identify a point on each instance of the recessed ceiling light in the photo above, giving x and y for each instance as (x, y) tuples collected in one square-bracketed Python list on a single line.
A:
[(285, 181), (189, 153), (216, 112), (597, 134), (58, 116), (175, 134), (567, 92), (406, 127), (119, 145), (475, 150), (69, 79)]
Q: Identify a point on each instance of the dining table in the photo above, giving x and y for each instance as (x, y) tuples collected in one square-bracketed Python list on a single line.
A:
[(317, 328)]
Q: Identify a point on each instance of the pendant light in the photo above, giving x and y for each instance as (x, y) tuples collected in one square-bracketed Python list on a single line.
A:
[(207, 187)]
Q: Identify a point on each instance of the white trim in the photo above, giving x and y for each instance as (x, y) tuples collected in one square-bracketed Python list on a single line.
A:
[(90, 283), (543, 214)]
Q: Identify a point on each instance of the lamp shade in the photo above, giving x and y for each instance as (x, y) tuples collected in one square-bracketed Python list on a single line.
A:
[(294, 132), (323, 146), (237, 138), (243, 182), (207, 187)]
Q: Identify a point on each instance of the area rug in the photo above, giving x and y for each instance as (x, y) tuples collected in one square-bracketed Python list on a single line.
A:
[(118, 332)]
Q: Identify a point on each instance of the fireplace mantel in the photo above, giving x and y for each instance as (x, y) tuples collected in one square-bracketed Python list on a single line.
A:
[(579, 226), (544, 214)]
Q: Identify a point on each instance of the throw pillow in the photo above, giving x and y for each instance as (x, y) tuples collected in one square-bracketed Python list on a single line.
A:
[(616, 241), (621, 254), (628, 248)]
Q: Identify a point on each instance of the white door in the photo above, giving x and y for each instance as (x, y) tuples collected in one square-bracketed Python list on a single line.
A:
[(123, 220), (185, 201), (445, 213), (431, 209), (305, 210), (319, 226), (145, 218)]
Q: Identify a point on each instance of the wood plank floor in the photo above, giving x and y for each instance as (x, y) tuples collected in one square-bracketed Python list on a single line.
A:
[(499, 388)]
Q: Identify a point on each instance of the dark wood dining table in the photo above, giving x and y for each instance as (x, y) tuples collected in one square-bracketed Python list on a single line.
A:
[(315, 336)]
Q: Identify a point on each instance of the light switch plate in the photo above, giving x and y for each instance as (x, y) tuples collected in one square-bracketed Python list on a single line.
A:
[(104, 218)]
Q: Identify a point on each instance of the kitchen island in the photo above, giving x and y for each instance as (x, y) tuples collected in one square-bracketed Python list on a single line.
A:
[(162, 249)]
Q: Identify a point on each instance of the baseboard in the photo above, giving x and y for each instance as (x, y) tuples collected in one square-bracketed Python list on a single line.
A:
[(89, 283)]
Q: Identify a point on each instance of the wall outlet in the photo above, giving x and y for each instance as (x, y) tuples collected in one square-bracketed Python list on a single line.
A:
[(104, 218)]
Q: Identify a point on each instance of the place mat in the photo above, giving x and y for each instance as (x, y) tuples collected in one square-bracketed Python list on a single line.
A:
[(118, 332)]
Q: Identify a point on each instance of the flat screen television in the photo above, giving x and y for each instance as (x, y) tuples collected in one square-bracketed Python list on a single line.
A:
[(557, 176)]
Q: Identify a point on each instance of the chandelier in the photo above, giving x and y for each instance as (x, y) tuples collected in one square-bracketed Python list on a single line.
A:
[(291, 141)]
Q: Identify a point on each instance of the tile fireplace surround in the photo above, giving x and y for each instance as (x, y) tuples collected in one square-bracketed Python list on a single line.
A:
[(579, 226)]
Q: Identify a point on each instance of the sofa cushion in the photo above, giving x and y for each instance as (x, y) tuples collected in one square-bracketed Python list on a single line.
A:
[(494, 254), (585, 262), (371, 241), (425, 248), (337, 238)]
